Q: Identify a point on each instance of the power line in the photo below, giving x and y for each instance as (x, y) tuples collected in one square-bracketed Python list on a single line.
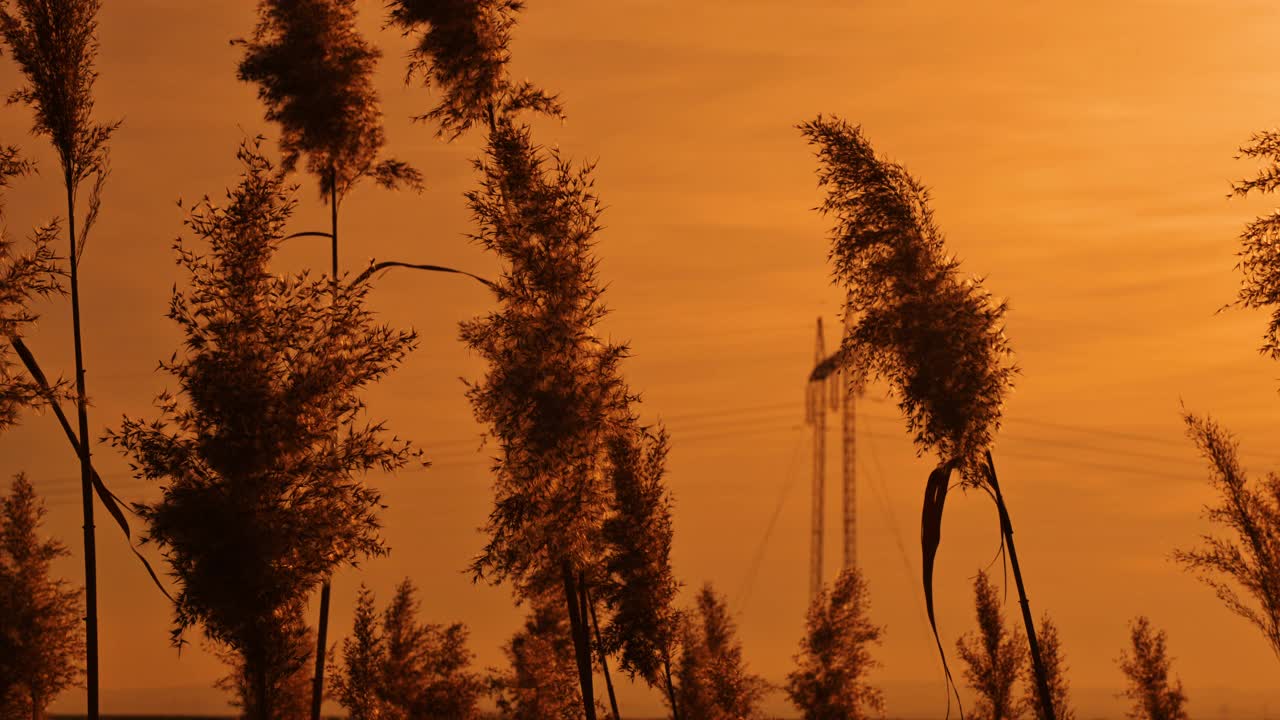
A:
[(57, 489), (789, 406), (1122, 452), (883, 494), (1059, 460), (475, 460), (910, 574), (789, 481), (764, 413), (68, 492), (754, 420)]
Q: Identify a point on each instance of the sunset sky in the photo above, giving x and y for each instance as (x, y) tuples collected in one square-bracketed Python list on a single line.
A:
[(1079, 155)]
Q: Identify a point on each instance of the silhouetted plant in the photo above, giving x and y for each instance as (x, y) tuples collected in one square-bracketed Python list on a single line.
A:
[(1259, 257), (41, 639), (261, 500), (358, 685), (428, 666), (541, 681), (553, 394), (935, 335), (1246, 559), (830, 679), (55, 44), (994, 658), (462, 48), (1154, 697), (403, 669), (639, 588), (553, 397), (287, 680), (314, 73), (24, 277), (692, 697), (713, 682), (1055, 668)]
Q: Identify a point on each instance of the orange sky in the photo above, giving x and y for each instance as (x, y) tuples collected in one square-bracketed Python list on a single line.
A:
[(1079, 159)]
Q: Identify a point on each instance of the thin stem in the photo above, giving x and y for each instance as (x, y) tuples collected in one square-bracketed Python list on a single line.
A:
[(671, 687), (581, 643), (604, 658), (86, 468), (262, 709), (317, 687), (1037, 663), (333, 219), (322, 632)]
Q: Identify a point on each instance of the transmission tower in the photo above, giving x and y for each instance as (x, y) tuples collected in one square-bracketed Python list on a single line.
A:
[(834, 384), (849, 385), (816, 415)]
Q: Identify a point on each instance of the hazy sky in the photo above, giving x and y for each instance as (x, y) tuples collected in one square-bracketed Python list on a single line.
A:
[(1079, 154)]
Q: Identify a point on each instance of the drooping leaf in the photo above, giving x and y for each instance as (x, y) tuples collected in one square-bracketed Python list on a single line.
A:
[(109, 499), (935, 497), (377, 267)]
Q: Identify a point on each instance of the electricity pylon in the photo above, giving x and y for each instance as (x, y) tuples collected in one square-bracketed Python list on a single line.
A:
[(833, 384)]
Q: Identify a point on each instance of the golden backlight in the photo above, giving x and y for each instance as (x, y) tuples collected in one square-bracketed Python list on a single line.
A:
[(1079, 155)]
